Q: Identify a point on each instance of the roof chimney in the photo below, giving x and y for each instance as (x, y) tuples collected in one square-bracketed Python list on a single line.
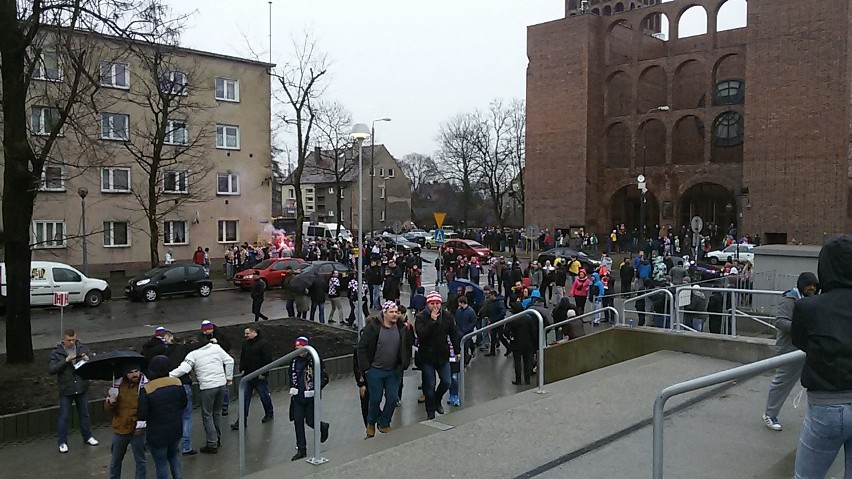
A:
[(317, 154)]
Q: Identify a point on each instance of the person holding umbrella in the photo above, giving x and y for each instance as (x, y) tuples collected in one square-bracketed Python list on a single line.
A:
[(123, 401), (69, 354)]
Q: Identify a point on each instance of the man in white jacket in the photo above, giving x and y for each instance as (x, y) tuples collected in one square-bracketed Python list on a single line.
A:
[(214, 370)]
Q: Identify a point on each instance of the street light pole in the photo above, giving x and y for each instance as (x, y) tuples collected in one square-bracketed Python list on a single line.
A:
[(359, 134), (644, 178), (373, 172), (83, 192)]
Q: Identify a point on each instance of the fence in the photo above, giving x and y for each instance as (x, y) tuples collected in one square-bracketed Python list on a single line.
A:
[(735, 304), (584, 315), (670, 306)]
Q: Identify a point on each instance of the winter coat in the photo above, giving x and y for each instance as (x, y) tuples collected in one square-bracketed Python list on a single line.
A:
[(257, 289), (160, 412), (596, 291), (255, 354), (220, 337), (580, 288), (212, 365), (69, 382), (154, 346), (432, 336), (366, 347), (644, 270), (317, 290), (536, 277), (177, 353), (124, 409), (390, 290), (465, 320), (524, 334)]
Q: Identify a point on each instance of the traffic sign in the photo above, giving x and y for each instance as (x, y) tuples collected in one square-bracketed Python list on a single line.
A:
[(697, 224), (397, 226), (533, 231), (439, 236), (439, 218), (60, 299)]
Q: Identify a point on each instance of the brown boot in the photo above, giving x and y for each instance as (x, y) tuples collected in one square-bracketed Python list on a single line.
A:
[(421, 399), (371, 430), (384, 429)]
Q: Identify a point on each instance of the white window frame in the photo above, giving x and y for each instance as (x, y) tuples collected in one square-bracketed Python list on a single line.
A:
[(309, 207), (233, 184), (381, 192), (309, 199), (291, 193), (342, 196), (110, 187), (168, 228), (40, 128), (110, 119), (40, 71), (43, 243), (177, 88), (382, 216), (221, 231), (390, 173), (225, 82), (331, 214), (43, 185), (109, 234), (381, 172), (331, 190), (171, 127), (177, 176), (221, 133), (113, 76)]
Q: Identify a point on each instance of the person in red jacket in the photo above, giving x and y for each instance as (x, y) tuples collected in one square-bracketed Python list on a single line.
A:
[(580, 290), (198, 257)]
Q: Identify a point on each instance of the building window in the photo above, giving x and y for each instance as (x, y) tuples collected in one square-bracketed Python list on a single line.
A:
[(176, 133), (309, 199), (331, 190), (47, 66), (115, 75), (228, 137), (309, 207), (309, 191), (227, 89), (227, 184), (341, 193), (729, 92), (115, 126), (229, 231), (48, 234), (381, 215), (291, 193), (53, 178), (390, 172), (116, 234), (382, 172), (175, 182), (331, 214), (729, 129), (174, 232), (115, 180), (381, 192), (174, 82), (44, 120)]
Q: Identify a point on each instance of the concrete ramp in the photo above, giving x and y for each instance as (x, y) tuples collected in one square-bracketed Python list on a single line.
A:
[(592, 425)]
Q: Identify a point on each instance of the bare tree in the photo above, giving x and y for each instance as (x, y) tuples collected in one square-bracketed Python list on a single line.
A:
[(494, 146), (45, 40), (457, 155), (301, 82), (517, 147), (419, 168), (336, 158)]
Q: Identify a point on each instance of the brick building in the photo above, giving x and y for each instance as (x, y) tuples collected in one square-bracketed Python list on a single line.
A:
[(754, 127)]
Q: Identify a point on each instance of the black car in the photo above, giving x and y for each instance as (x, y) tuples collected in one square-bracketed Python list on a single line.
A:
[(418, 237), (586, 262), (322, 269), (401, 244), (170, 280)]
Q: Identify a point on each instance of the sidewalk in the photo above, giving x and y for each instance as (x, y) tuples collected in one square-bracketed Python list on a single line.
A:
[(220, 283)]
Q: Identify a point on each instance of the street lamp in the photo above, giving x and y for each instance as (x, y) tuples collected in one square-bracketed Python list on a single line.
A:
[(373, 172), (83, 192), (359, 133), (641, 180)]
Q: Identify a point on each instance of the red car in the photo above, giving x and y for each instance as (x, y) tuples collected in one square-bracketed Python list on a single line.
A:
[(466, 248), (270, 271)]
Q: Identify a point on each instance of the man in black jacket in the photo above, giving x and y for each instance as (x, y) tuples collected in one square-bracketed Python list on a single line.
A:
[(318, 290), (435, 328), (161, 404), (524, 334), (822, 328), (384, 352), (63, 362), (257, 290), (302, 391), (176, 350), (255, 354)]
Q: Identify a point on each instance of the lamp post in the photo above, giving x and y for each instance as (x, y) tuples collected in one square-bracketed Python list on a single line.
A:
[(359, 134), (83, 192), (373, 172), (641, 180)]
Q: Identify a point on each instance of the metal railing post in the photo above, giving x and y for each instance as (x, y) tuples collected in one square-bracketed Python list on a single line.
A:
[(734, 314), (574, 318), (316, 459)]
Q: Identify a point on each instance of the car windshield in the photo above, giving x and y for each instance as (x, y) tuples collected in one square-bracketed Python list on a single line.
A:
[(264, 264), (474, 244), (154, 272)]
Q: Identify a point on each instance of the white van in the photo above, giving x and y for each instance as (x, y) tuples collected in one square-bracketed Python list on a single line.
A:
[(47, 277), (324, 231)]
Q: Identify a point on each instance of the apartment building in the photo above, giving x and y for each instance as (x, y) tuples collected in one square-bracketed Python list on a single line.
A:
[(198, 123)]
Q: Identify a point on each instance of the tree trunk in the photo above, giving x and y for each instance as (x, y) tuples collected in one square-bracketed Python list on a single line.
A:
[(153, 230)]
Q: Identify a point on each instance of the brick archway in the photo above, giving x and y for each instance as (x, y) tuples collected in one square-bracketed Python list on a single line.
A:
[(624, 206), (710, 201)]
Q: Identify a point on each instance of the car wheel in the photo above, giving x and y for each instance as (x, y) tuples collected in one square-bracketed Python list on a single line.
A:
[(714, 260), (150, 294), (204, 290), (94, 298)]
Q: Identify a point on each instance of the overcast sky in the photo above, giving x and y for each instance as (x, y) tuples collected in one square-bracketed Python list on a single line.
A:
[(418, 63)]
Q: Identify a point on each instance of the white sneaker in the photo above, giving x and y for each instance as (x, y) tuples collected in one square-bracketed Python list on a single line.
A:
[(92, 441), (63, 448), (772, 422)]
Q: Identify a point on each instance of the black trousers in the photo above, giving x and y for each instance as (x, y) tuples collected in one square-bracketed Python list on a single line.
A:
[(256, 303), (497, 338), (303, 413), (523, 364)]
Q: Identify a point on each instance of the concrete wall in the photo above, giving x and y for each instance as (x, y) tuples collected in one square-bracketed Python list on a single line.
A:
[(615, 345)]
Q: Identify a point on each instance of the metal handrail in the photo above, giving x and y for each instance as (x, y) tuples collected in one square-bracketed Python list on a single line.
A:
[(541, 341), (733, 310), (316, 459), (591, 313), (672, 306), (703, 382)]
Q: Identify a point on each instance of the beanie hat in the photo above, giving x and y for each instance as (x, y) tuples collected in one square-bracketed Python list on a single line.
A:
[(434, 297), (126, 368), (207, 326), (160, 332), (388, 305), (159, 366), (301, 341)]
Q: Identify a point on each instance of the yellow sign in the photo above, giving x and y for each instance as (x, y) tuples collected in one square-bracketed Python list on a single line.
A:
[(439, 218)]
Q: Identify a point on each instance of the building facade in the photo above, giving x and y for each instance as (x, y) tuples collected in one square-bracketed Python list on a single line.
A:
[(745, 124), (212, 170), (391, 189)]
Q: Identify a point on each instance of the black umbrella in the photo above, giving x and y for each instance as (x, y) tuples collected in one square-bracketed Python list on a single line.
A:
[(108, 366), (302, 282)]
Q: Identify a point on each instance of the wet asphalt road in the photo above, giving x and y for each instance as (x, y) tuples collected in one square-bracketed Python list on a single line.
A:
[(119, 319)]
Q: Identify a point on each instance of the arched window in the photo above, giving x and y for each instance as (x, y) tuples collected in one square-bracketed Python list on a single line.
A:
[(729, 92), (729, 129)]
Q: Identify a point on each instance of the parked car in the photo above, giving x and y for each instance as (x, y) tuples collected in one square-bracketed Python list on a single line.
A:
[(586, 261), (744, 251), (270, 271), (48, 277), (418, 237), (324, 270), (401, 244), (466, 248), (431, 242), (170, 280)]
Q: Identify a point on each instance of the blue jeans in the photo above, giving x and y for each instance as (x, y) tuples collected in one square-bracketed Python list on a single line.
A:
[(375, 301), (434, 395), (186, 436), (826, 428), (166, 459), (81, 401), (119, 449), (454, 384), (318, 305), (382, 382), (262, 388)]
